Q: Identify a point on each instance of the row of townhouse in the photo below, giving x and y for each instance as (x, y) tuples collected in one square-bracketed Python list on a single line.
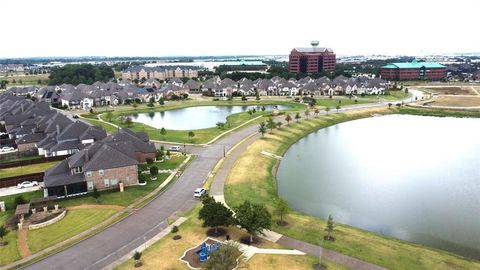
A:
[(34, 127), (160, 73), (106, 164), (306, 86)]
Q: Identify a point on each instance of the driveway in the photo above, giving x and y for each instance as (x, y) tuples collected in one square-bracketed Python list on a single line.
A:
[(14, 190)]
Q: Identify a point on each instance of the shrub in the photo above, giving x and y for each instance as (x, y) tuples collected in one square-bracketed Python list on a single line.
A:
[(153, 170), (174, 229), (19, 200)]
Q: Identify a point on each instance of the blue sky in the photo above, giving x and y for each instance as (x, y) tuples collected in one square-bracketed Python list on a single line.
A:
[(209, 27)]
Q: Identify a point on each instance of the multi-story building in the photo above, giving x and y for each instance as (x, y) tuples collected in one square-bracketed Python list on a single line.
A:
[(413, 71), (311, 60), (160, 73)]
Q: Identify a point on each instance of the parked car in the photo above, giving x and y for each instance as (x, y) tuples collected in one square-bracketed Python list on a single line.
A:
[(26, 184), (6, 149), (175, 148), (199, 192)]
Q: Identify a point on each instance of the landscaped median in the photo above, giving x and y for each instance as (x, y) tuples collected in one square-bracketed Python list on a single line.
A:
[(84, 213), (259, 186), (202, 136)]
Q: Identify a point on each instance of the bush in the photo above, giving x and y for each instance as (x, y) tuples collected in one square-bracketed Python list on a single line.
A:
[(153, 170), (19, 200), (175, 229), (137, 255), (149, 160)]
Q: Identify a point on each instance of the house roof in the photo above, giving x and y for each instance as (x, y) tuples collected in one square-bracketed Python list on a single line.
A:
[(313, 49), (414, 65)]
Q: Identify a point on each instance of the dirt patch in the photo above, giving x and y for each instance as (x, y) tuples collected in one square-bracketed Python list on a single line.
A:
[(451, 90), (473, 101), (282, 223), (22, 243), (96, 206), (257, 241), (220, 232)]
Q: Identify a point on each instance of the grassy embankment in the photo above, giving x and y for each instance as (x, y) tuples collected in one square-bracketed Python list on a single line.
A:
[(91, 215), (28, 169), (259, 186), (22, 79), (201, 135), (193, 234)]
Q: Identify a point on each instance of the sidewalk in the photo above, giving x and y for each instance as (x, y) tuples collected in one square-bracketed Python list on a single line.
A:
[(217, 191)]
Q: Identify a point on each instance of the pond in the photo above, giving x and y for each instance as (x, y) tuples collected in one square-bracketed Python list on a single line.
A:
[(192, 118), (415, 178)]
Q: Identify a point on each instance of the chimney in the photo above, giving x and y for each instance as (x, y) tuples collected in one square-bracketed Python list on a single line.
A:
[(86, 155)]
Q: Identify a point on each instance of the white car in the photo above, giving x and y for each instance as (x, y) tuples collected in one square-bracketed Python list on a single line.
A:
[(175, 148), (6, 149), (199, 192), (26, 184)]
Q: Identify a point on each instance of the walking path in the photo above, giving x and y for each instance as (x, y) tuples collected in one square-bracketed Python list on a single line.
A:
[(217, 191), (22, 243)]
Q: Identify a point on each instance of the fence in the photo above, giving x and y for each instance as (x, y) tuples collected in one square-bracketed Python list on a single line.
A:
[(15, 180), (38, 160)]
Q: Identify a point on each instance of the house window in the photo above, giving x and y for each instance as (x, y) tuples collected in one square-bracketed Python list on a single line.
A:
[(90, 185), (114, 182), (101, 172), (77, 170), (89, 174), (106, 183)]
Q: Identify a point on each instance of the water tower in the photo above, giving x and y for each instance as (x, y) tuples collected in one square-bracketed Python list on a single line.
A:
[(314, 43)]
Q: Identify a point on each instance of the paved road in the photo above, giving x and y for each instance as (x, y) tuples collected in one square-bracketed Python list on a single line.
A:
[(114, 242), (111, 244), (14, 190)]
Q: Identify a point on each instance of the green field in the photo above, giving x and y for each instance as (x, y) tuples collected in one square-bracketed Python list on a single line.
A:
[(22, 79), (9, 252), (75, 222), (259, 186), (28, 169)]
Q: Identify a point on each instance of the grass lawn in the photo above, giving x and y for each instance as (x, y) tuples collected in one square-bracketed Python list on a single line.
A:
[(193, 234), (259, 186), (22, 79), (201, 135), (343, 101), (393, 95), (20, 159), (108, 128), (21, 170), (8, 253), (74, 222), (459, 101)]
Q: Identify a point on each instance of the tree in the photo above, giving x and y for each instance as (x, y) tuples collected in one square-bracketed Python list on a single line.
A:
[(279, 124), (128, 121), (163, 132), (297, 116), (271, 124), (175, 232), (135, 105), (136, 257), (153, 170), (19, 200), (191, 134), (244, 98), (159, 154), (109, 116), (96, 194), (389, 105), (254, 218), (225, 258), (338, 107), (80, 73), (161, 101), (263, 108), (262, 128), (327, 109), (3, 232), (215, 214), (281, 209), (317, 112), (288, 118), (257, 95), (307, 113), (330, 227)]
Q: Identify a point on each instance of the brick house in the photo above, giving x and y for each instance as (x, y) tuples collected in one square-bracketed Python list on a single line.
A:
[(102, 165)]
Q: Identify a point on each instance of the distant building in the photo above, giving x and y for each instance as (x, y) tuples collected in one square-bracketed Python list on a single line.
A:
[(160, 73), (311, 60), (413, 71)]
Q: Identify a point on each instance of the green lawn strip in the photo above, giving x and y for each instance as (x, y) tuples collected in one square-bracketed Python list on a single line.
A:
[(20, 159), (75, 222), (108, 128), (28, 169), (371, 247), (8, 253), (201, 135)]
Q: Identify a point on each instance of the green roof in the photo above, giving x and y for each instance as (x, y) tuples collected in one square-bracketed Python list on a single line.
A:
[(414, 64)]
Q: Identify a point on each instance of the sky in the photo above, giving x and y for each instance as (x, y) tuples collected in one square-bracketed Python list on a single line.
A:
[(33, 28)]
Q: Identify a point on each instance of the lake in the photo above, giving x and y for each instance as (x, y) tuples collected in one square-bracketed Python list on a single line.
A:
[(192, 118), (415, 178)]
